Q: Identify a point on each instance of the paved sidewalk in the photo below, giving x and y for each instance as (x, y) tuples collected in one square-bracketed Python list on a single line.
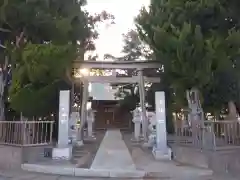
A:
[(21, 175)]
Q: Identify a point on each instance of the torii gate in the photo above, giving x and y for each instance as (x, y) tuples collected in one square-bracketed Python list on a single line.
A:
[(86, 78)]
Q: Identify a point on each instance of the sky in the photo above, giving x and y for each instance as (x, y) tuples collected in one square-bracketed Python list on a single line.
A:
[(111, 40)]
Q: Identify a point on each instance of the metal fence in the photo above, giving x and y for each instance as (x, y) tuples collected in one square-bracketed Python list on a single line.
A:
[(209, 135), (26, 133)]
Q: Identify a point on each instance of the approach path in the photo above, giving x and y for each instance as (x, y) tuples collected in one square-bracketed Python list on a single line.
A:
[(113, 153)]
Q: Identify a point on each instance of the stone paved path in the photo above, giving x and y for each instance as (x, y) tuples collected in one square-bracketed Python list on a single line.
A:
[(113, 153)]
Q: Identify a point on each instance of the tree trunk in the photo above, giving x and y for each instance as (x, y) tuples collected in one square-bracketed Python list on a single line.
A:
[(196, 116), (232, 111), (194, 105), (2, 86), (3, 82)]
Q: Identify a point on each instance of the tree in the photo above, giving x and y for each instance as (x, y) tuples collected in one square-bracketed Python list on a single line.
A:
[(37, 79), (42, 35), (192, 39)]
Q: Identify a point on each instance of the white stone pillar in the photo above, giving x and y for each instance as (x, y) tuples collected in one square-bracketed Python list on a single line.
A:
[(161, 150), (63, 150), (142, 104)]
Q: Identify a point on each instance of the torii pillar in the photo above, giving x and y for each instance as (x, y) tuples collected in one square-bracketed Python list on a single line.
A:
[(142, 103), (83, 114)]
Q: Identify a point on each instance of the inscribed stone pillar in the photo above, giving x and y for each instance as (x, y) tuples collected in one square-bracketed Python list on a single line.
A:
[(63, 118), (161, 150), (63, 150)]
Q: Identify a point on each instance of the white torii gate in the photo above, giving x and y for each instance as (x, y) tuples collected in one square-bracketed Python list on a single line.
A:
[(85, 78)]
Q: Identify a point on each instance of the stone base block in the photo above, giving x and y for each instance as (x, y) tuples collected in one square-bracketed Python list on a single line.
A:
[(62, 153), (160, 155)]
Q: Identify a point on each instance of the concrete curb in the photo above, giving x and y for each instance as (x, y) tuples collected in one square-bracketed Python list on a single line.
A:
[(91, 173), (103, 173)]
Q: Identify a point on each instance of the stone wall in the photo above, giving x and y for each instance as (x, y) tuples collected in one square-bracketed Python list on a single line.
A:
[(11, 157), (190, 156), (224, 161), (35, 154)]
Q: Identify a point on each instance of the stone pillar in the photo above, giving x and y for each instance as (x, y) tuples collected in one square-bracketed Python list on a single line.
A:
[(63, 150), (137, 125), (90, 128), (83, 113), (161, 150), (142, 104), (90, 121), (84, 102)]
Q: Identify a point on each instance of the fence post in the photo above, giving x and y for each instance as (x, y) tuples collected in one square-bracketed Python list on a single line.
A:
[(51, 132), (23, 124)]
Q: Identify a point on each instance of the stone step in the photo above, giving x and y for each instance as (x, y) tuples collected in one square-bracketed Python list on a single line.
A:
[(78, 155), (77, 152), (78, 147)]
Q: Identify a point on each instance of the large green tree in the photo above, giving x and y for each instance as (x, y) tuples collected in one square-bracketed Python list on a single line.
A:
[(194, 40), (43, 38)]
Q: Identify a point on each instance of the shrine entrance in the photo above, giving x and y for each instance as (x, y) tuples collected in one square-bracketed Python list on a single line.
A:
[(113, 73), (90, 117)]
